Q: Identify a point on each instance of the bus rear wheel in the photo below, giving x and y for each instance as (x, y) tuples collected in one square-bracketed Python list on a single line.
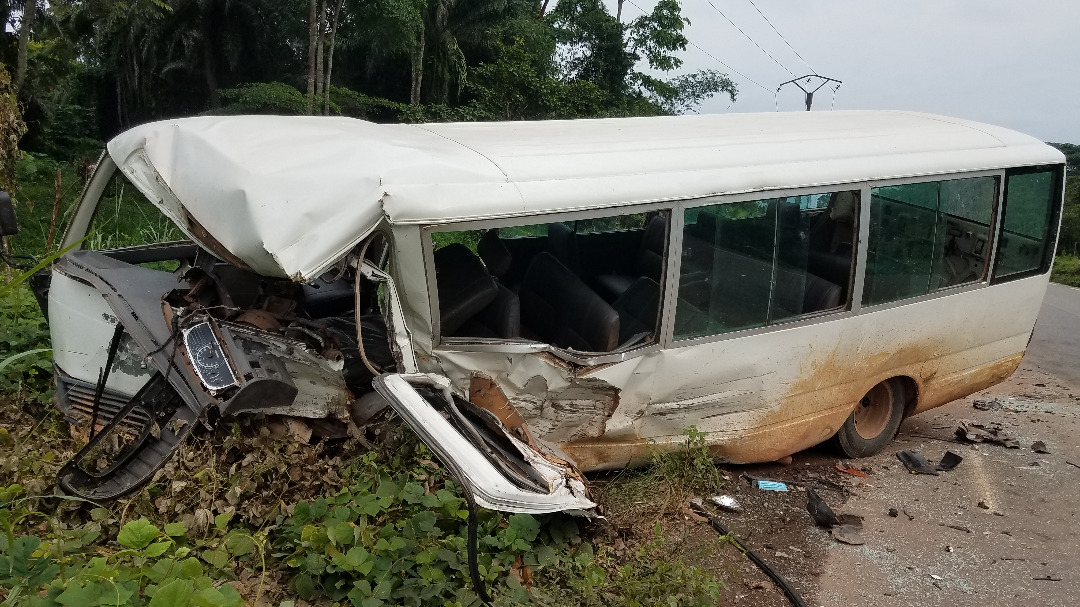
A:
[(874, 422)]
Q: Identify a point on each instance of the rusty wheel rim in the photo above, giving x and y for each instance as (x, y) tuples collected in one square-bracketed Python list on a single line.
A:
[(873, 412)]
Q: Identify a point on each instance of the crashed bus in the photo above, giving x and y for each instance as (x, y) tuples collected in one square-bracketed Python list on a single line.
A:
[(539, 300)]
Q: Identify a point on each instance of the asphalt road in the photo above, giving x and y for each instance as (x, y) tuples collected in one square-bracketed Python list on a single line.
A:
[(1055, 346)]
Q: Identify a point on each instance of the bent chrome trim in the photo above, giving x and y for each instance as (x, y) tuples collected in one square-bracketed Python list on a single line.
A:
[(489, 487)]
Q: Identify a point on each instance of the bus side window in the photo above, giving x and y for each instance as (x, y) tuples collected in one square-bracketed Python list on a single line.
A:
[(1027, 227), (927, 236), (762, 262)]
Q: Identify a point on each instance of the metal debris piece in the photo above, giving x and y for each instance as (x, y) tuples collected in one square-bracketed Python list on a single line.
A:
[(949, 461), (1039, 447), (988, 433), (848, 534), (820, 511), (726, 502), (992, 404), (848, 518), (1047, 578), (915, 463), (852, 471), (770, 485)]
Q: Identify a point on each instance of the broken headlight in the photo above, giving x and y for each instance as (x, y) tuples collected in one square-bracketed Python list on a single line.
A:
[(208, 358)]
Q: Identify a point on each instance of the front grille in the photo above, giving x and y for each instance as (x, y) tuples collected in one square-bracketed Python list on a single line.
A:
[(77, 402)]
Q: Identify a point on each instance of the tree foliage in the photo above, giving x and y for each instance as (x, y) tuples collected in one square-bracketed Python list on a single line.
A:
[(96, 67), (11, 129)]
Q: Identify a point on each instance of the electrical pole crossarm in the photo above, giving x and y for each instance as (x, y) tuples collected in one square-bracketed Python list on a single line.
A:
[(809, 93)]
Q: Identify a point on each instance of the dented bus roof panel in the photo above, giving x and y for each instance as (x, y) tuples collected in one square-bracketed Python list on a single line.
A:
[(288, 196)]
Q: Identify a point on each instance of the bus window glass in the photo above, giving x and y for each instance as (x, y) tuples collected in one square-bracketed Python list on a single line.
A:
[(1026, 228), (590, 285), (927, 236), (756, 263)]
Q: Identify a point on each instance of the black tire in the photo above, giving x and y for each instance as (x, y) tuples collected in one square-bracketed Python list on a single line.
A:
[(874, 422)]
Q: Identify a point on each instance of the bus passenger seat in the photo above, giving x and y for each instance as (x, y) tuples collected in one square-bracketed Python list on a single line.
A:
[(557, 307), (562, 243), (492, 250), (471, 303), (648, 261), (638, 307), (820, 294)]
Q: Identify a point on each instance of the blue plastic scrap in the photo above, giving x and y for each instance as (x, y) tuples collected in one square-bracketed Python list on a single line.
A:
[(770, 485)]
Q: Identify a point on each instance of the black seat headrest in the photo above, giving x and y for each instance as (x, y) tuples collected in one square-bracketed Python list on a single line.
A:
[(465, 287), (493, 251), (563, 311), (562, 243)]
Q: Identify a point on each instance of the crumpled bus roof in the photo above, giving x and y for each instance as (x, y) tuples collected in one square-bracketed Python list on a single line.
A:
[(289, 196)]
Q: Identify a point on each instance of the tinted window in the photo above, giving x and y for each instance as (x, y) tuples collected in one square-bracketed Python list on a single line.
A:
[(1027, 227), (927, 236), (756, 263)]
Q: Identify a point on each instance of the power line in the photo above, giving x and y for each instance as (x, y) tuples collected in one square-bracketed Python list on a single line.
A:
[(781, 35), (744, 76), (711, 56), (749, 38)]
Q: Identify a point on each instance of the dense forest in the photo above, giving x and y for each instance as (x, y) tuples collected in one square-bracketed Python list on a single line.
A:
[(84, 70)]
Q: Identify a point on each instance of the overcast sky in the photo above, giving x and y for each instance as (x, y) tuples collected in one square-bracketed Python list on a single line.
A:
[(1011, 63)]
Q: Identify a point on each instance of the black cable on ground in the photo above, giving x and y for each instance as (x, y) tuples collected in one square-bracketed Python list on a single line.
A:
[(473, 540), (792, 594)]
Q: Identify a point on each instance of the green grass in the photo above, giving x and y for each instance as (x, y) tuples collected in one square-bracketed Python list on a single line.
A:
[(1066, 270)]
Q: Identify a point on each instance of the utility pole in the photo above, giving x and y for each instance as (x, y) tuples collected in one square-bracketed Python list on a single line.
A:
[(807, 79)]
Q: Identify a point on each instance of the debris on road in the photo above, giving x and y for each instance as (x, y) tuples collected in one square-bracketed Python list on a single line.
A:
[(1047, 578), (1075, 465), (988, 433), (949, 461), (726, 502), (1039, 447), (991, 404), (916, 463), (848, 534), (792, 594), (852, 471), (844, 527), (820, 511), (893, 512), (768, 485)]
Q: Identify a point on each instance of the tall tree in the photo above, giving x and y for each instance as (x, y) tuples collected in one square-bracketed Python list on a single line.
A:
[(313, 46), (331, 47), (26, 29)]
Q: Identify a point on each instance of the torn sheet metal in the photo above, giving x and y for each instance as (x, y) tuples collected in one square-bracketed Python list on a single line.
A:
[(492, 488)]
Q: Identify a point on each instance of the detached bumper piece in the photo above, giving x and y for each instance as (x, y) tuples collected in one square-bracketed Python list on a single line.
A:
[(500, 471), (134, 443)]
